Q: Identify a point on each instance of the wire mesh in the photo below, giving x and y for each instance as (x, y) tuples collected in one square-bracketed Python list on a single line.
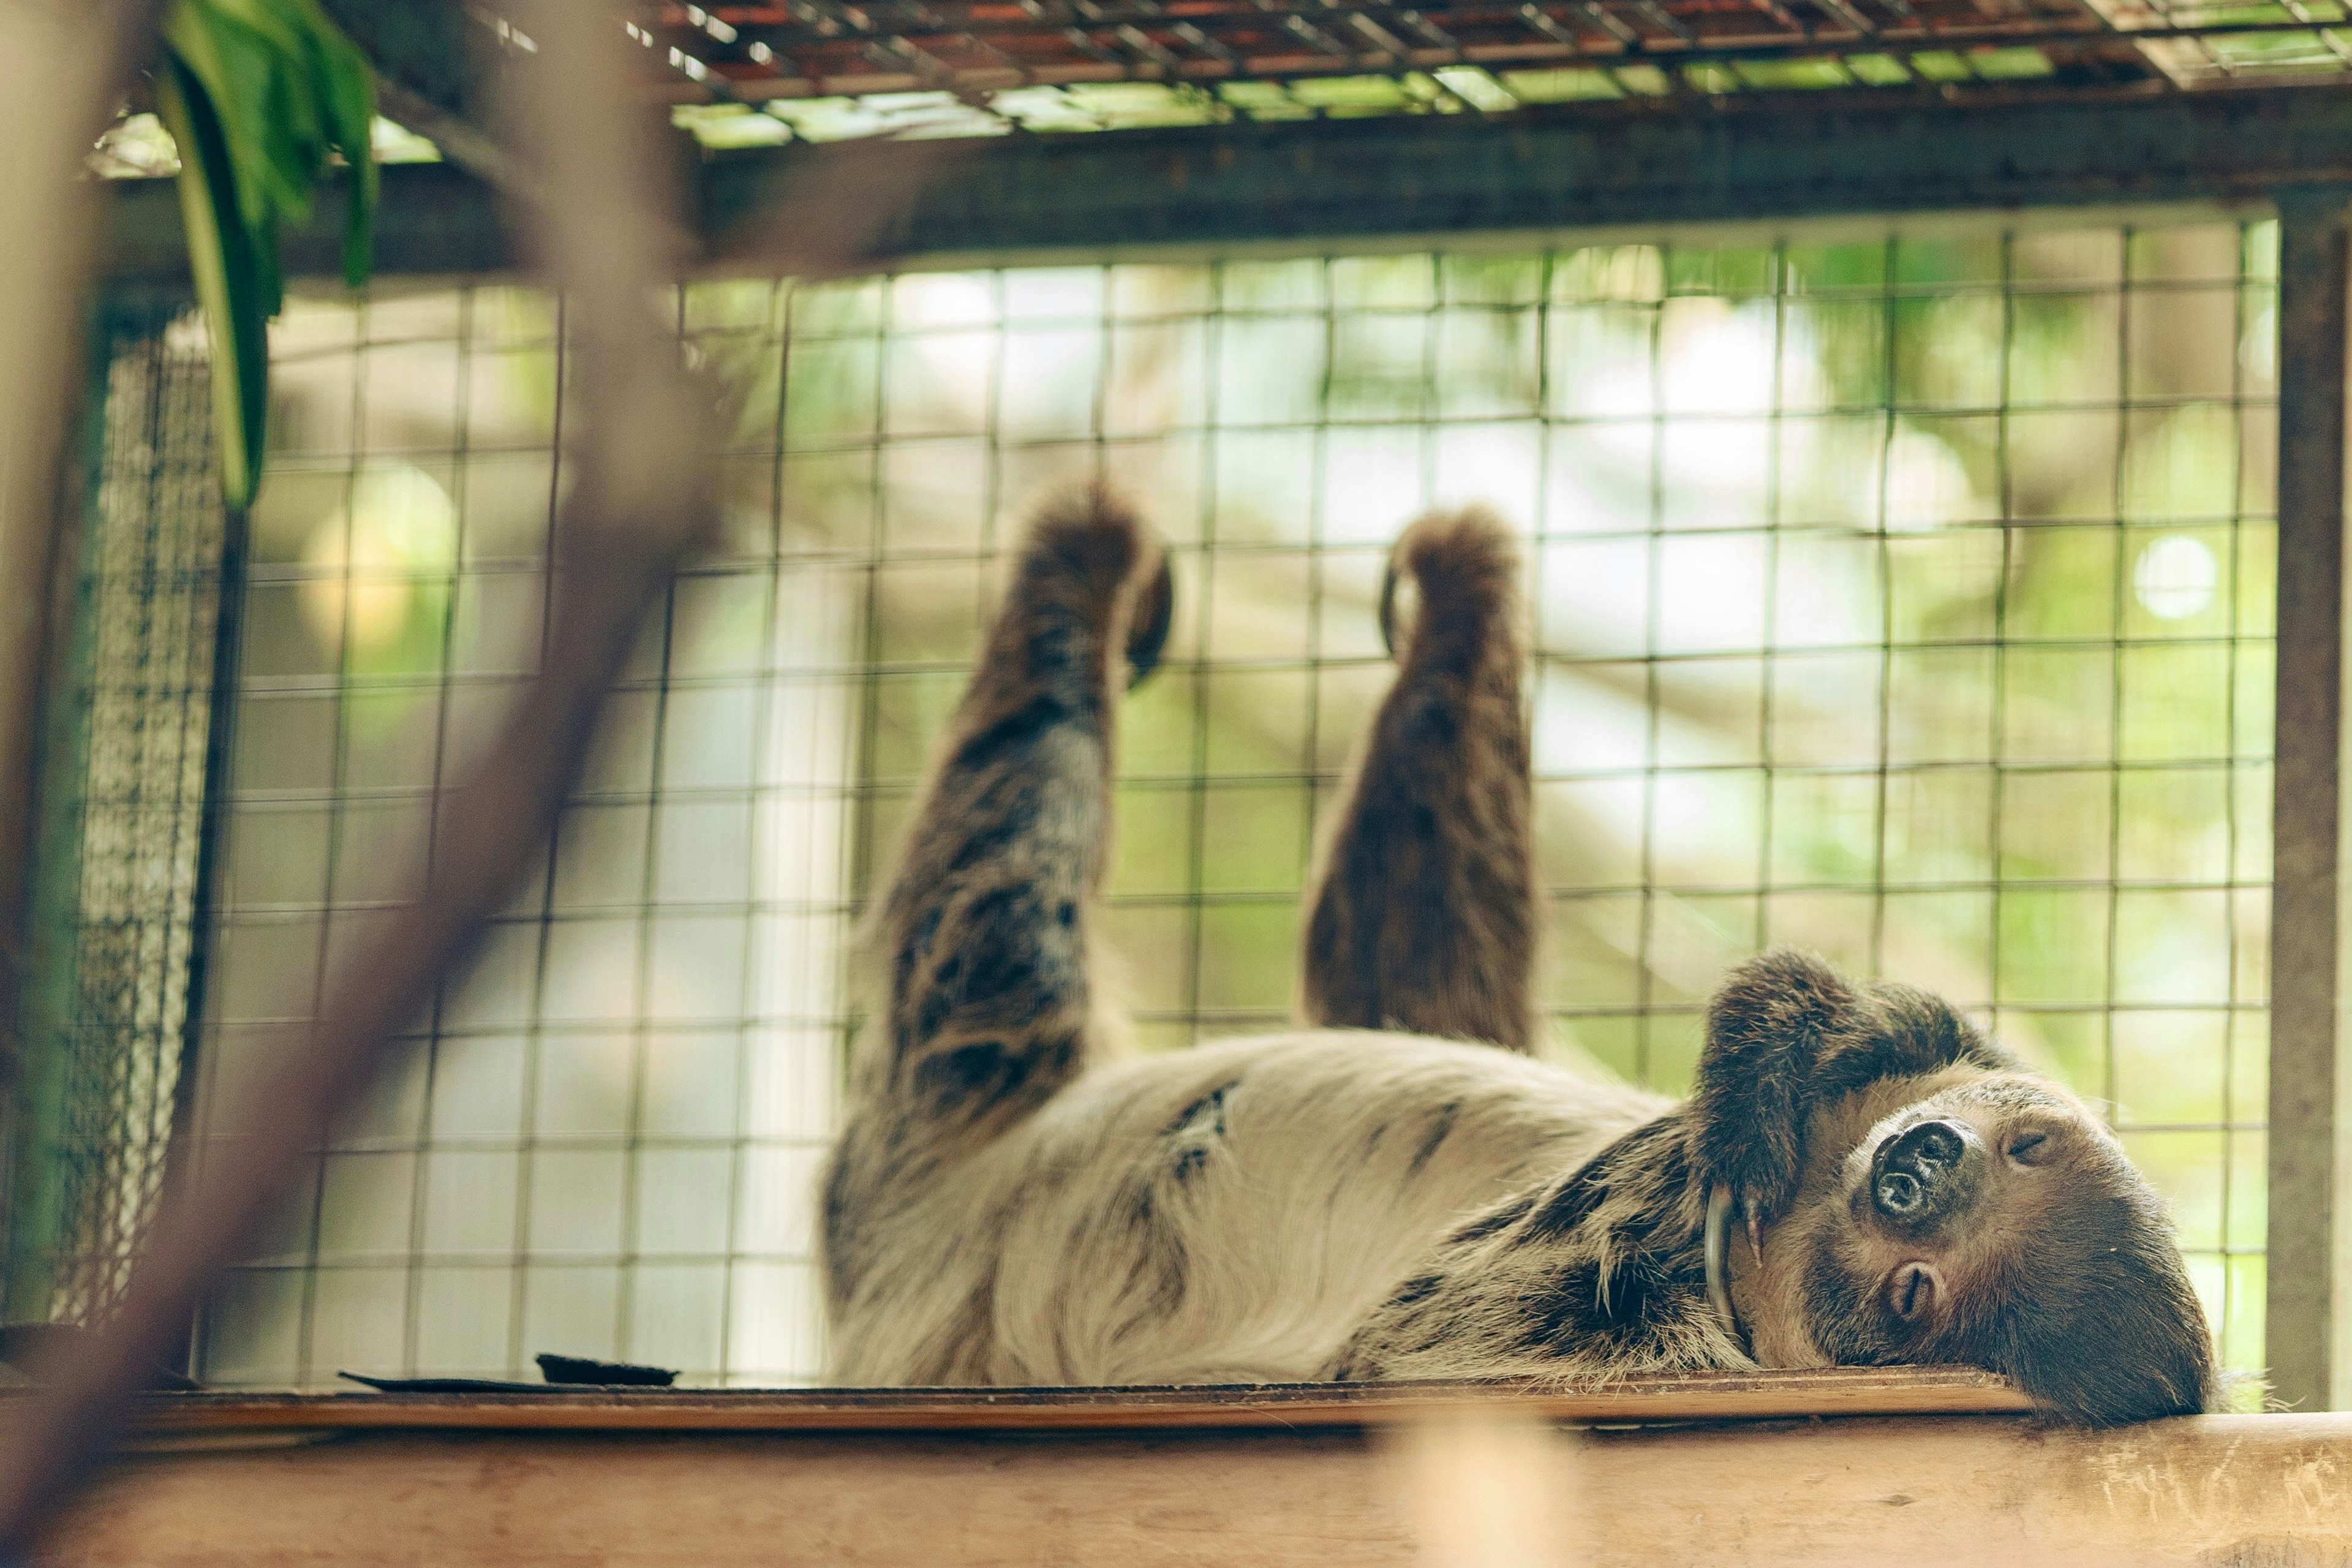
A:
[(116, 963), (1909, 599), (823, 70)]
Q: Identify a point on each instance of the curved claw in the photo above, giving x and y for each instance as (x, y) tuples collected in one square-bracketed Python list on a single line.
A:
[(1750, 1205), (1388, 607), (1155, 612), (1719, 1287)]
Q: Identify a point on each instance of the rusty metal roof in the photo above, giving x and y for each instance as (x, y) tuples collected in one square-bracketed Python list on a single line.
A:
[(826, 67)]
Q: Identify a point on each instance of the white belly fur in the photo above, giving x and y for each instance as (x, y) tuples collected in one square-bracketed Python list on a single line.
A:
[(1074, 1251)]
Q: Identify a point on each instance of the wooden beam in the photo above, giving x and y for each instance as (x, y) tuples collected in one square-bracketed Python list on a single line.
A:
[(1406, 180), (2241, 1490), (2301, 1304)]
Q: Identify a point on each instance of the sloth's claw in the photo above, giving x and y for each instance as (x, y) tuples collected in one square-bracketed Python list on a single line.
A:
[(1751, 1204), (1148, 634)]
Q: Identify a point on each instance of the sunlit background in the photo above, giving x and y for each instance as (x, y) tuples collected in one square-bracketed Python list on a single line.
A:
[(1909, 598)]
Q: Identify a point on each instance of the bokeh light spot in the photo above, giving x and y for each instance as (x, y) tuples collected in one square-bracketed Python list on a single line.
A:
[(2175, 578)]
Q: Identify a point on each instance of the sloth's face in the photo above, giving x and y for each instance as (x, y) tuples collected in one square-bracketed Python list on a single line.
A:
[(1994, 1222)]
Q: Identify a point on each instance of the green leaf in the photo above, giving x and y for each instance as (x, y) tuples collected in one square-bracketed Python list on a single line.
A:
[(344, 86), (260, 95), (232, 64), (350, 94), (234, 284)]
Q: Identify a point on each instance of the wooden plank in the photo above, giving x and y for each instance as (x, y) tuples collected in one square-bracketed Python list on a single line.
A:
[(1716, 1396), (2213, 1489), (2306, 845)]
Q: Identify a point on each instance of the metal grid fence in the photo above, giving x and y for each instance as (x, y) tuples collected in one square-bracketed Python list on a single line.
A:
[(115, 970), (1909, 598)]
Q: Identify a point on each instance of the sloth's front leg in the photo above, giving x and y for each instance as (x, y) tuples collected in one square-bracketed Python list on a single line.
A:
[(1788, 1035)]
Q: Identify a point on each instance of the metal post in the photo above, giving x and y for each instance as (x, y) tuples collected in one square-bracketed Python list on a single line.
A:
[(2299, 1327)]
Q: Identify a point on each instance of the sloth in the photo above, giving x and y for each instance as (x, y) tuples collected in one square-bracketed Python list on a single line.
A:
[(1400, 1189)]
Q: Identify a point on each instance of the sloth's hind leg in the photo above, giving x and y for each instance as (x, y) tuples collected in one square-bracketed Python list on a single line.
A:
[(984, 923), (1424, 915)]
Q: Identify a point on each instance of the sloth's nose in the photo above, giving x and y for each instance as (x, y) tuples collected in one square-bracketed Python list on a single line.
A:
[(1924, 1172)]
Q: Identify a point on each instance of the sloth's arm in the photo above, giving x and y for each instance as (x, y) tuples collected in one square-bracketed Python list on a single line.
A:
[(1787, 1034)]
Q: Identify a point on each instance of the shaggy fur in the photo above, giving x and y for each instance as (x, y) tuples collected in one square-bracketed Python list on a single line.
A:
[(1436, 814), (1006, 1205)]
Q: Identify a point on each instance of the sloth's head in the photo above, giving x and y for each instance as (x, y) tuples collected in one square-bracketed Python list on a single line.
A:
[(1995, 1223), (1967, 1211)]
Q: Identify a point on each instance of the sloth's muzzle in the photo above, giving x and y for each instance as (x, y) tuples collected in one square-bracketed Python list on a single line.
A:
[(1925, 1174)]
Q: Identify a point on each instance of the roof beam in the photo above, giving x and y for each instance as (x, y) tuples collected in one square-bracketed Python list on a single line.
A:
[(1389, 182)]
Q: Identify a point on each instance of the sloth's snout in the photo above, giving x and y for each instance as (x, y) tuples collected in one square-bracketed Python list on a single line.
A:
[(1925, 1172)]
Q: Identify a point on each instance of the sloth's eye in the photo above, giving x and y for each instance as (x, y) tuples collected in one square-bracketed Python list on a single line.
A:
[(2027, 1148)]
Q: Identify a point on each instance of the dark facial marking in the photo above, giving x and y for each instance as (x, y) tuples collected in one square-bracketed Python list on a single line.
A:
[(1844, 1326)]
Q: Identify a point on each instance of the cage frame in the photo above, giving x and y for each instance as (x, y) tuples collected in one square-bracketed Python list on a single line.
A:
[(2027, 154)]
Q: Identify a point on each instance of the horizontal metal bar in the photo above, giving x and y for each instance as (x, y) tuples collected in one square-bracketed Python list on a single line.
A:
[(1386, 182)]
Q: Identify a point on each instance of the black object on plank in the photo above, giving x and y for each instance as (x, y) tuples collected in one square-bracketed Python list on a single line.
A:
[(443, 1384), (602, 1373), (560, 1372)]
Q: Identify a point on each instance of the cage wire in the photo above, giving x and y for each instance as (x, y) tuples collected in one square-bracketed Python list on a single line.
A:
[(754, 74), (118, 952), (1909, 599)]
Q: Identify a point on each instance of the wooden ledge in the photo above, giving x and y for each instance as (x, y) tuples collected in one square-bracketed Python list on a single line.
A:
[(1712, 1396), (1926, 1491)]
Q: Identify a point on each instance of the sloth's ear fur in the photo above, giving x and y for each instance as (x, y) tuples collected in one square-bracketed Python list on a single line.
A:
[(1787, 1033)]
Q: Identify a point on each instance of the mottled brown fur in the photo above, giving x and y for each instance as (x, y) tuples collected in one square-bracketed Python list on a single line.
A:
[(987, 924), (1434, 815)]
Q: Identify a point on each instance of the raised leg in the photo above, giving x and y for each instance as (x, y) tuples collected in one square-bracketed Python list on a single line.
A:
[(1424, 914), (981, 935)]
